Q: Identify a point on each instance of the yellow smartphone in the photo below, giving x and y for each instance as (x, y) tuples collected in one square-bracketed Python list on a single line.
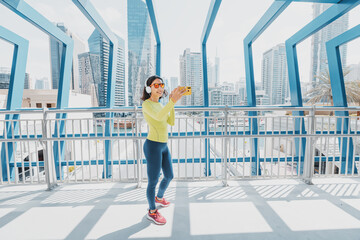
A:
[(188, 90)]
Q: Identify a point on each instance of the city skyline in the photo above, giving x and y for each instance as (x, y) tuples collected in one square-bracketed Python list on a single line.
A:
[(232, 67), (190, 73), (274, 77), (99, 46), (318, 50), (56, 49), (141, 62)]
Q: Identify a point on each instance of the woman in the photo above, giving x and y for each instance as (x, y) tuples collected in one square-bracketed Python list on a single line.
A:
[(156, 152)]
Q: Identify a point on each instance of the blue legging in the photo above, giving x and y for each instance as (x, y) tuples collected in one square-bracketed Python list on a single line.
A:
[(158, 157)]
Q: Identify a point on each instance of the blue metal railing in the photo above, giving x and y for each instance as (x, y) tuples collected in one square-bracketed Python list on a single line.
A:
[(228, 138)]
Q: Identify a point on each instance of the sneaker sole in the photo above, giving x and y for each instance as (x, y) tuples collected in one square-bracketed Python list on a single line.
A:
[(151, 219), (163, 205)]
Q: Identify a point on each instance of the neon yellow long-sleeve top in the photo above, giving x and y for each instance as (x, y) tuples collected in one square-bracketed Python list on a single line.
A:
[(158, 117)]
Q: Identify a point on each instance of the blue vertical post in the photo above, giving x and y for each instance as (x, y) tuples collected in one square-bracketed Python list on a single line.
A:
[(14, 99), (296, 100), (110, 102), (211, 16), (207, 169), (86, 7), (158, 59), (62, 102), (265, 21), (24, 10), (152, 15), (330, 15), (339, 94)]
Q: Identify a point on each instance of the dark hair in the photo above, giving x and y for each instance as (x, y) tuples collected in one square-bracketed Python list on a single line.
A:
[(149, 81)]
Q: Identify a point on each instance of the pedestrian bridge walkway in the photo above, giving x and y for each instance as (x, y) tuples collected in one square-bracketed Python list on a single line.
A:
[(248, 209)]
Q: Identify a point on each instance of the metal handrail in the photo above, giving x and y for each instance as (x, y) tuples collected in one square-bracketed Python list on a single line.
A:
[(227, 134)]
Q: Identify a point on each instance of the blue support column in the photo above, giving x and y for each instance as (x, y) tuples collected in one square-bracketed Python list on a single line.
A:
[(213, 10), (14, 99), (62, 102), (207, 169), (270, 15), (296, 100), (24, 10), (315, 25), (86, 7), (339, 95), (151, 10)]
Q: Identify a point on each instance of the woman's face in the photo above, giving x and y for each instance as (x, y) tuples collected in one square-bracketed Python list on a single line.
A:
[(156, 92)]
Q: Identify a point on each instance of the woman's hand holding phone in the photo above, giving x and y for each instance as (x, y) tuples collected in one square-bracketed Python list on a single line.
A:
[(177, 93)]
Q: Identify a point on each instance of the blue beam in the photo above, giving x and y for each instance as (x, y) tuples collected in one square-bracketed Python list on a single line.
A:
[(210, 19), (18, 68), (86, 7), (265, 21), (24, 10), (335, 67), (151, 10), (89, 11), (324, 19), (213, 10), (14, 99), (339, 94), (209, 22)]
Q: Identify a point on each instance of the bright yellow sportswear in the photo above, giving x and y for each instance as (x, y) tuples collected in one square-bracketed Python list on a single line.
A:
[(157, 117)]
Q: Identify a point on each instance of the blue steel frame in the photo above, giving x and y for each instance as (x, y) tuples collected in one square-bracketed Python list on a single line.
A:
[(86, 7), (213, 10), (21, 8), (270, 15), (14, 99), (278, 6), (324, 19), (151, 10), (294, 82), (339, 93)]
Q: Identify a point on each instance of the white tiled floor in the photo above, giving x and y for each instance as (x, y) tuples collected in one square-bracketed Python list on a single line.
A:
[(224, 218), (257, 209), (309, 215)]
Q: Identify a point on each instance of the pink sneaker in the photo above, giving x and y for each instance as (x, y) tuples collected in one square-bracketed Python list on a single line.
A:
[(156, 217), (163, 202)]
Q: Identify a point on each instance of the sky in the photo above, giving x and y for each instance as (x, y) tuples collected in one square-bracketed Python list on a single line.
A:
[(180, 24)]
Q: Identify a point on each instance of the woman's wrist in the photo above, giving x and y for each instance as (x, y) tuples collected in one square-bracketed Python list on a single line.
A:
[(172, 99)]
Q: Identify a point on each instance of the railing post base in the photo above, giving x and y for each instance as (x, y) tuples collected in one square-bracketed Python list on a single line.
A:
[(52, 186), (225, 183), (309, 155), (308, 181)]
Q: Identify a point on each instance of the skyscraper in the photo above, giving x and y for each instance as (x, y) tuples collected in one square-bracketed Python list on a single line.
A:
[(98, 46), (174, 82), (90, 75), (191, 75), (215, 96), (140, 49), (217, 70), (318, 49), (354, 73), (240, 88), (274, 76), (42, 83), (213, 72), (56, 48), (5, 79)]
